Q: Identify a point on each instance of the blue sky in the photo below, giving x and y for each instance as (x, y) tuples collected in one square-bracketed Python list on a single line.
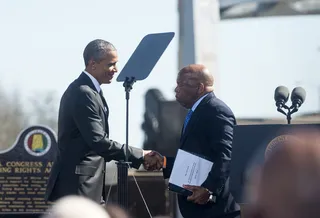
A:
[(42, 44)]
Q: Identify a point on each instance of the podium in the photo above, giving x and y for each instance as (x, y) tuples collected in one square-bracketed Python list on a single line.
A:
[(251, 143)]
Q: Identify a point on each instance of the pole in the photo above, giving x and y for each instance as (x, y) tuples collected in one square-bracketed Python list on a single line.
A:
[(289, 118), (123, 165)]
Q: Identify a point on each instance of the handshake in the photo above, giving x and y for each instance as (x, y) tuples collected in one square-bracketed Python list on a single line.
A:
[(152, 160)]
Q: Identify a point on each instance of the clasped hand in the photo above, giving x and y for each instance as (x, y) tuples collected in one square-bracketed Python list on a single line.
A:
[(152, 160), (200, 195)]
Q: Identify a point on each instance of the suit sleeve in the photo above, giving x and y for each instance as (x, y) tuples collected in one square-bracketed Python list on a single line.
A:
[(220, 142), (167, 171), (86, 116)]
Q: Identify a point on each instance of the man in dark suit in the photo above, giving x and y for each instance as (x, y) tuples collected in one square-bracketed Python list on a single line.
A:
[(83, 130), (207, 132)]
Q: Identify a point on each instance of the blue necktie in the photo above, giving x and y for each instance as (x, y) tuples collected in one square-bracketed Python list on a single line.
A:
[(187, 120)]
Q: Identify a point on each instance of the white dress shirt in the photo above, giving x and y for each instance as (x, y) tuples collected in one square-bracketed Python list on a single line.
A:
[(198, 102)]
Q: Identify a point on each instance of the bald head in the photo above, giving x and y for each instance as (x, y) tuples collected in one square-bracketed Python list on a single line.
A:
[(289, 180), (193, 82), (200, 73)]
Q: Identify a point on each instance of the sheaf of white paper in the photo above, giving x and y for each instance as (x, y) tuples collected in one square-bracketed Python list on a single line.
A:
[(189, 169)]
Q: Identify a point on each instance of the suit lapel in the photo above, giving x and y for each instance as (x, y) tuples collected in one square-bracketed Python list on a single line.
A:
[(106, 112), (104, 104), (194, 119), (86, 80)]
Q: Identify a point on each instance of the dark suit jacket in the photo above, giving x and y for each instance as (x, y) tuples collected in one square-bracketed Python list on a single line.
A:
[(209, 134), (84, 145)]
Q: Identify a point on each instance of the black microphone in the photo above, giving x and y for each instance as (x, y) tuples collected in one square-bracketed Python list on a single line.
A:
[(281, 96), (298, 96)]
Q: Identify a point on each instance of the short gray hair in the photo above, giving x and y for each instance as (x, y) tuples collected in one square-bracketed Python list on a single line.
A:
[(96, 50)]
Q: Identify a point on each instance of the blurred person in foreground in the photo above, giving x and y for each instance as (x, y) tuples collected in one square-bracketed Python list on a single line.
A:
[(84, 146), (75, 207), (208, 132), (116, 211), (288, 183)]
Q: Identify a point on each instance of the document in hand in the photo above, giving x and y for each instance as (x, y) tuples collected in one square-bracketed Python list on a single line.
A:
[(188, 169)]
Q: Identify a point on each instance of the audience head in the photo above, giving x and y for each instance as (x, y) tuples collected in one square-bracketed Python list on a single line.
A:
[(288, 184), (76, 207), (116, 212)]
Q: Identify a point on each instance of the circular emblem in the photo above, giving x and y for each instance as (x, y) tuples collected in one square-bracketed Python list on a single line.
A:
[(279, 141), (37, 142)]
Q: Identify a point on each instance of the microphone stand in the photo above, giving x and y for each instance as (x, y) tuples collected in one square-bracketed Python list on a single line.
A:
[(290, 111), (123, 165)]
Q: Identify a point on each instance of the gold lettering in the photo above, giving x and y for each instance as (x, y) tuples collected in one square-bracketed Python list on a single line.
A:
[(16, 206), (35, 178), (14, 178), (17, 182), (18, 189), (10, 185), (27, 170), (14, 187), (18, 202), (23, 164), (47, 170), (6, 189), (5, 169), (23, 199), (39, 182)]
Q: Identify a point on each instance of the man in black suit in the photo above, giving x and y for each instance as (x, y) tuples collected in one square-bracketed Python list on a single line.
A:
[(83, 131), (207, 132)]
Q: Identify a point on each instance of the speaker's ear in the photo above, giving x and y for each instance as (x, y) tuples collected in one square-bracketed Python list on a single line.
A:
[(201, 88)]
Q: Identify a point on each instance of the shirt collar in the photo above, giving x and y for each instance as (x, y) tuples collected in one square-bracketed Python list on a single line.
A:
[(198, 102), (94, 81)]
